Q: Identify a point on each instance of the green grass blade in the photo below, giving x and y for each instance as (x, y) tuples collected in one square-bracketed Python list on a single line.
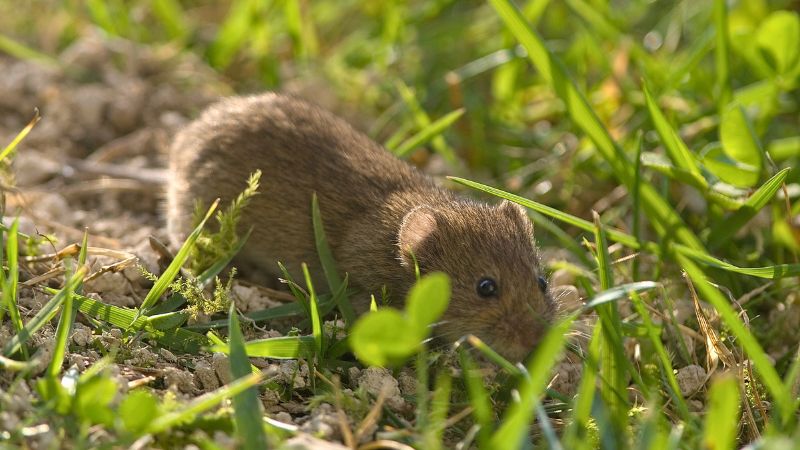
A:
[(20, 136), (12, 365), (440, 405), (423, 122), (740, 142), (547, 428), (603, 259), (619, 292), (636, 204), (170, 13), (21, 51), (301, 29), (171, 305), (696, 53), (276, 312), (769, 272), (83, 254), (723, 230), (329, 264), (493, 356), (316, 320), (729, 171), (45, 314), (598, 22), (576, 435), (603, 26), (246, 405), (627, 240), (101, 16), (478, 398), (112, 16), (115, 315), (11, 279), (596, 363), (295, 289), (515, 422), (423, 377), (722, 418), (283, 347), (722, 84), (325, 307), (784, 148), (664, 219), (781, 396), (659, 164), (166, 278), (208, 275), (19, 234), (337, 350), (793, 374), (178, 339), (426, 134), (397, 137), (203, 403), (676, 149), (654, 335), (612, 358), (722, 199), (167, 321), (65, 323), (653, 434), (233, 33), (4, 290)]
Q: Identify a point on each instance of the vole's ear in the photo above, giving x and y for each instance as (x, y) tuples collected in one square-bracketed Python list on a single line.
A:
[(516, 212), (417, 226)]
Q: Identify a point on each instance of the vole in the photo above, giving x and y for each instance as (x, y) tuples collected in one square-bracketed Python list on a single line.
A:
[(377, 211)]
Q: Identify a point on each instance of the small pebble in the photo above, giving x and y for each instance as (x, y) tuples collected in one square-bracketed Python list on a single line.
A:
[(690, 379)]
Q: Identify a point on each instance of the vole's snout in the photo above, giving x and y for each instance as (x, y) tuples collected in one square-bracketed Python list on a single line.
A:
[(523, 330), (526, 341), (512, 324)]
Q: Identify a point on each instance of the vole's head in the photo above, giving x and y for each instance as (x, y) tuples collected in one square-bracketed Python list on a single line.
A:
[(499, 292)]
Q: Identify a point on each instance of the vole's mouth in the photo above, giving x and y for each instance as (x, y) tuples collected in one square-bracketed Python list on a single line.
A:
[(511, 350), (517, 343), (513, 341)]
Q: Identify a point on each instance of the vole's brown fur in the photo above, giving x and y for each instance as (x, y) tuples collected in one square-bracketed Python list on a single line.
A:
[(376, 210)]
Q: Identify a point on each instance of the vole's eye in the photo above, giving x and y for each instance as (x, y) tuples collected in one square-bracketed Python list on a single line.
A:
[(487, 287), (543, 284)]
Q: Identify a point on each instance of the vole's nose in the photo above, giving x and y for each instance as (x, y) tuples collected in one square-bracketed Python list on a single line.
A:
[(523, 342)]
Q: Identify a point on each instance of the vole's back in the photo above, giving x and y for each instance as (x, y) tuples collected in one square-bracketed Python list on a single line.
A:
[(300, 149)]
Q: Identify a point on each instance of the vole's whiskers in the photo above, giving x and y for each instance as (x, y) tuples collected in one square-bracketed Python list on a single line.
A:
[(439, 323), (561, 294), (578, 334), (438, 345)]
